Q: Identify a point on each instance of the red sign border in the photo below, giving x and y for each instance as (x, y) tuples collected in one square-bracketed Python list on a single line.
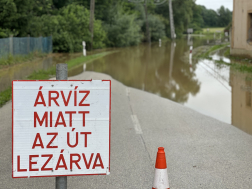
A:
[(62, 175)]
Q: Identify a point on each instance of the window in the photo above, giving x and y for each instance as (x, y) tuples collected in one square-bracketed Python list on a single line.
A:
[(248, 93), (250, 27)]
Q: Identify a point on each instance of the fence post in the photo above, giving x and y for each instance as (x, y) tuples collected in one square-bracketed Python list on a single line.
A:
[(41, 44), (28, 44), (51, 44), (11, 44), (61, 74)]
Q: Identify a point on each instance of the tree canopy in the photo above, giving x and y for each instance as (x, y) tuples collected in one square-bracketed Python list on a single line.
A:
[(117, 22)]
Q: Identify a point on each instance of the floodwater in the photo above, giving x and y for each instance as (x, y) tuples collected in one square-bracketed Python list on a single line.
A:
[(209, 88), (21, 71), (167, 70)]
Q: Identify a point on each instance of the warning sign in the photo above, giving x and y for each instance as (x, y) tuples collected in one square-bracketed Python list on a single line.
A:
[(61, 128)]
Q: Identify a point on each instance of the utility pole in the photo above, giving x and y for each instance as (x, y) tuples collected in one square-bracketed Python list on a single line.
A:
[(147, 22), (171, 20), (91, 23)]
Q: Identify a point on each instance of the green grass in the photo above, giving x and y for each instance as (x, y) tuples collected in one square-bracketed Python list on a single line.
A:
[(5, 95), (243, 65), (10, 60), (213, 30), (211, 50), (237, 66), (46, 74), (227, 52)]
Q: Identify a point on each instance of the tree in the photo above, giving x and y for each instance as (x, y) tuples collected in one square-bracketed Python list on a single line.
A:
[(225, 16), (8, 14), (69, 29), (122, 29)]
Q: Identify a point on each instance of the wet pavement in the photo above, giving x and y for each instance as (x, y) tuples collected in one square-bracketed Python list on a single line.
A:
[(201, 152)]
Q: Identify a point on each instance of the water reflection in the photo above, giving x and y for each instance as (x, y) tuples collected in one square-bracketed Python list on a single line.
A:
[(21, 71), (241, 101), (199, 84), (158, 70)]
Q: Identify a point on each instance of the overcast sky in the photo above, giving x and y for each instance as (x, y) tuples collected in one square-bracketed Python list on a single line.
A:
[(215, 4)]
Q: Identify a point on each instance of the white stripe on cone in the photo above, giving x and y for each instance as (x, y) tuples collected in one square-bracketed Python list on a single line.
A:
[(161, 179)]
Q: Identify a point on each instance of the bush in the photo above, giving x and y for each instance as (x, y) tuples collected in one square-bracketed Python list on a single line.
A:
[(123, 29), (69, 29), (157, 27)]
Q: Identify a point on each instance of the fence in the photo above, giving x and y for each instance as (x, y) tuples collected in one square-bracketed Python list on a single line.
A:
[(25, 45)]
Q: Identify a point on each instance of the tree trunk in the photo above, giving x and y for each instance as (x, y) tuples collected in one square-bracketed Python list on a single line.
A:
[(147, 22), (91, 24)]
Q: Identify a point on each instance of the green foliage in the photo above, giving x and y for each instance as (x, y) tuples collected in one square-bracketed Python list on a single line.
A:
[(5, 96), (4, 33), (225, 16), (211, 18), (211, 50), (117, 22), (8, 14), (69, 29), (123, 29), (157, 27), (197, 22), (11, 60), (60, 3)]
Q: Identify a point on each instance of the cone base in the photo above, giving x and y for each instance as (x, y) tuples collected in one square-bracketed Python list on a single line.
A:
[(161, 179)]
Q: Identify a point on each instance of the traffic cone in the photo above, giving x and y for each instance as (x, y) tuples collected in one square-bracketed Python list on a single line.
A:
[(161, 176)]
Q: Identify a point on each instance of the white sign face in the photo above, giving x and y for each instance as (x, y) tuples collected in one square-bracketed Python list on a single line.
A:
[(61, 128), (190, 30)]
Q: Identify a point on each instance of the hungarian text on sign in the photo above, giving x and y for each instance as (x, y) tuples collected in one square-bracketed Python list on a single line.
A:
[(61, 128)]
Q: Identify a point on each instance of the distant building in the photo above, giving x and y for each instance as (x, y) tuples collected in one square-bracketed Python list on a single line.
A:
[(241, 40)]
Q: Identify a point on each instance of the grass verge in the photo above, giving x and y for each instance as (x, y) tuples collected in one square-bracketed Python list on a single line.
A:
[(6, 95), (46, 74), (212, 30), (10, 60), (243, 64), (237, 66), (211, 50)]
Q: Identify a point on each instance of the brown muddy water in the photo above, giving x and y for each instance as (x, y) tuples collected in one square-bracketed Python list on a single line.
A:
[(21, 71), (211, 89)]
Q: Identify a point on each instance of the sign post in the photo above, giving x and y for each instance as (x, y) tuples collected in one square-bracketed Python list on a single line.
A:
[(61, 74), (61, 128)]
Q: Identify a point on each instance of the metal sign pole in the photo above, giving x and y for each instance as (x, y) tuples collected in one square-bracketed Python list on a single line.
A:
[(61, 74)]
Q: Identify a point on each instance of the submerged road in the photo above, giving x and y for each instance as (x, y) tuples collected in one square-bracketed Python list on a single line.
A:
[(201, 152)]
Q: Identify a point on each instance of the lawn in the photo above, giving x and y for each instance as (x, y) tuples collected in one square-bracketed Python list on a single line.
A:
[(212, 30)]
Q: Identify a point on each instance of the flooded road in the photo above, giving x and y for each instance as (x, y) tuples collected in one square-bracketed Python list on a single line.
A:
[(212, 89), (209, 88), (21, 71)]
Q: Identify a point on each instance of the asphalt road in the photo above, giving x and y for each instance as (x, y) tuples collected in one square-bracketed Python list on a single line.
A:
[(201, 152)]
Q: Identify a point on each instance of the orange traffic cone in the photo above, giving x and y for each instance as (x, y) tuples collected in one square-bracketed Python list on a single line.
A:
[(161, 176)]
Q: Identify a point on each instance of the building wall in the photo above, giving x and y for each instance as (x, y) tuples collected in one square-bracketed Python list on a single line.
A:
[(240, 27), (241, 102)]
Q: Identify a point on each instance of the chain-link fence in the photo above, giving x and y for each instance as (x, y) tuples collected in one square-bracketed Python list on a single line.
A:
[(24, 45)]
